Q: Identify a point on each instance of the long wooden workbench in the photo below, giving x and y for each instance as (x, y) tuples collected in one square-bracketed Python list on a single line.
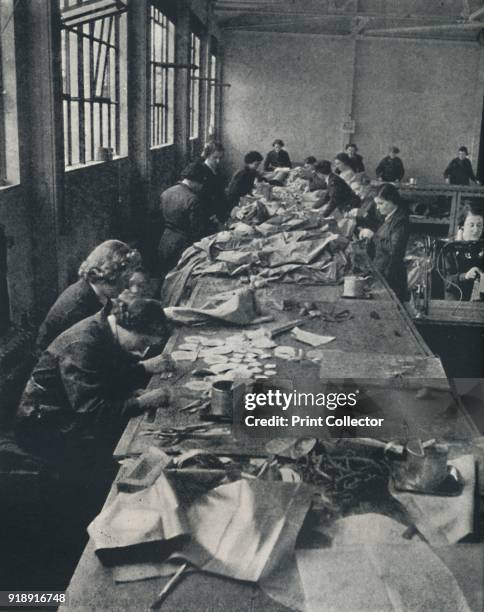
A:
[(379, 325), (92, 586)]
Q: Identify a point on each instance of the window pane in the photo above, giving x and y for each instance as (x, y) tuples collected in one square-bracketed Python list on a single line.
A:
[(162, 78), (93, 113)]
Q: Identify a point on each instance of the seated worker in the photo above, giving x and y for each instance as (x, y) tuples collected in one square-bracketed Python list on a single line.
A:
[(338, 194), (389, 242), (459, 171), (140, 285), (183, 215), (308, 173), (343, 167), (390, 169), (277, 158), (242, 182), (103, 275), (81, 392), (366, 214), (356, 161), (215, 205), (464, 261)]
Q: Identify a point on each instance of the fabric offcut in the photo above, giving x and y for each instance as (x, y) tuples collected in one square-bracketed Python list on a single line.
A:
[(245, 530), (152, 516), (239, 309), (371, 568)]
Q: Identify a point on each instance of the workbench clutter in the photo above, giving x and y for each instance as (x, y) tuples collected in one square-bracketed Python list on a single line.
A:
[(244, 529), (268, 241), (257, 520), (238, 307)]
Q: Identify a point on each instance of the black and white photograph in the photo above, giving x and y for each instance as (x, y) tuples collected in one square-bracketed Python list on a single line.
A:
[(242, 305)]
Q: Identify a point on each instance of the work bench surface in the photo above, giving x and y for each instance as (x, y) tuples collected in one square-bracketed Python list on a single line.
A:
[(380, 326)]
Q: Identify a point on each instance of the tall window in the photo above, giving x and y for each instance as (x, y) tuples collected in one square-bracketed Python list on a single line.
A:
[(4, 300), (162, 78), (94, 78), (3, 162), (194, 101), (212, 96), (9, 160)]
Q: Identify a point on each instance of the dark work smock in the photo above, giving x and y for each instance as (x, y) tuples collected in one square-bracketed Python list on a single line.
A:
[(184, 223), (277, 159), (76, 403), (356, 163), (460, 172), (77, 302), (213, 197), (459, 258), (390, 243), (338, 195), (390, 169), (242, 184)]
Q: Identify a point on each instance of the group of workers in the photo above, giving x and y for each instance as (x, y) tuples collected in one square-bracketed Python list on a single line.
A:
[(95, 345)]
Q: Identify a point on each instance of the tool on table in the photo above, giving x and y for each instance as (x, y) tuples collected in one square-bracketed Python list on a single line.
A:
[(169, 586), (284, 327), (262, 319), (198, 404), (173, 435)]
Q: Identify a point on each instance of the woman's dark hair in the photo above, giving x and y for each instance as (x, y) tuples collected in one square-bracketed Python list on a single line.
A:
[(139, 314), (323, 167), (211, 147), (470, 208), (194, 172), (390, 193), (310, 160), (395, 150), (343, 157), (351, 144), (278, 141), (253, 156), (464, 149)]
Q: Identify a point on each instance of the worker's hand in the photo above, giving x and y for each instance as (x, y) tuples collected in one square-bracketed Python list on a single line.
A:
[(473, 273), (159, 364), (157, 398), (366, 233)]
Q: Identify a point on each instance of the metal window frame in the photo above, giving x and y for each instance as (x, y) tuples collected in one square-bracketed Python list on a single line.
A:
[(161, 112), (212, 93), (195, 48), (103, 71), (3, 144)]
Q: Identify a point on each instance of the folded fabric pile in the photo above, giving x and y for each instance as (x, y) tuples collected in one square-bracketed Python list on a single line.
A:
[(245, 530)]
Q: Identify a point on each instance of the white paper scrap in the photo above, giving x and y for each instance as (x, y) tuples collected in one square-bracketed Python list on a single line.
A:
[(310, 338)]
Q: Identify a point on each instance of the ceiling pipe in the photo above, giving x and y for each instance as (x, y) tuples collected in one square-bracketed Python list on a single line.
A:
[(428, 28)]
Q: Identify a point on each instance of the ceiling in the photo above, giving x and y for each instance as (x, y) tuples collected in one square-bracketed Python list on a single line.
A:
[(436, 19)]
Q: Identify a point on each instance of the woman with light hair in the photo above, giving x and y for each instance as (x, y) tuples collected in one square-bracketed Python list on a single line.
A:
[(103, 275)]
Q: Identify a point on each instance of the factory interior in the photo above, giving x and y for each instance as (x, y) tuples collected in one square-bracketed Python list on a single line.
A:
[(197, 191)]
